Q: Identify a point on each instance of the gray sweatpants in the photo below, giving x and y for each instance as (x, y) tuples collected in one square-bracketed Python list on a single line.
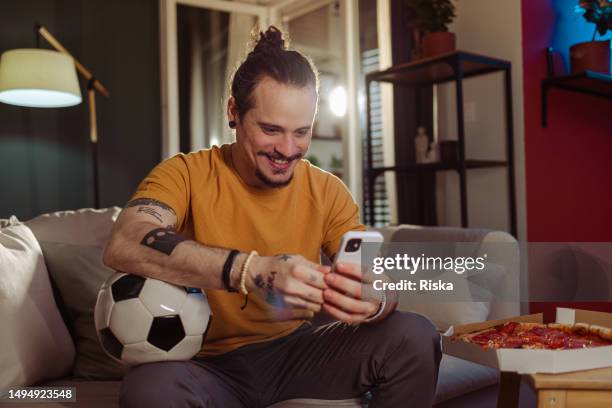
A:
[(396, 359)]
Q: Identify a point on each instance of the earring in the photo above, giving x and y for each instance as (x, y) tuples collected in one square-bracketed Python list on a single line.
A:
[(232, 124)]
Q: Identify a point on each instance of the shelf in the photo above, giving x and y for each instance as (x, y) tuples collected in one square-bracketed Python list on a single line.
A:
[(588, 82), (439, 166), (439, 69), (420, 74), (327, 138)]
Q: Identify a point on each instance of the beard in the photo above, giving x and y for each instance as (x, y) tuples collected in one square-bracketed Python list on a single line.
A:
[(270, 183)]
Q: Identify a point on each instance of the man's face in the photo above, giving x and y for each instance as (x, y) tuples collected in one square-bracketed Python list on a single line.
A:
[(275, 133)]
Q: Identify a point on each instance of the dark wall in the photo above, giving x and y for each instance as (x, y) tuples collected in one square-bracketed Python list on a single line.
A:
[(45, 159)]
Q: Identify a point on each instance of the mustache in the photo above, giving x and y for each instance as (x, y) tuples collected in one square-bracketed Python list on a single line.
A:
[(280, 156)]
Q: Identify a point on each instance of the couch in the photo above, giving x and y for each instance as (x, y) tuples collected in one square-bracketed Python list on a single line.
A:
[(50, 271)]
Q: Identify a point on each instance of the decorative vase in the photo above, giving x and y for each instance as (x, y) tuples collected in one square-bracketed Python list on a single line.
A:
[(591, 56), (437, 43)]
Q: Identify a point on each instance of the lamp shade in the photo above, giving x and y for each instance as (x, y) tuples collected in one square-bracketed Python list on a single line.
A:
[(38, 78)]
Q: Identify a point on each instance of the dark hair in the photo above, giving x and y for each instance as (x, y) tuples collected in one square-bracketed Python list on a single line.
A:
[(270, 57)]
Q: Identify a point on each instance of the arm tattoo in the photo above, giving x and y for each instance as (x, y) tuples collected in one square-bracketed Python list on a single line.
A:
[(284, 257), (149, 201), (268, 286), (151, 211), (270, 296), (259, 282), (162, 240)]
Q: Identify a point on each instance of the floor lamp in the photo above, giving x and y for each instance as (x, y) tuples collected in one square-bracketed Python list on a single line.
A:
[(47, 79)]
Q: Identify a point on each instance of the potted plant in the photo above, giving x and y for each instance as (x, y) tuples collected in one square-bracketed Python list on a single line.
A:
[(593, 55), (314, 160), (431, 19), (336, 166)]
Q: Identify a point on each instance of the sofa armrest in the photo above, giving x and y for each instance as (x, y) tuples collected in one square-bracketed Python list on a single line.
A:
[(501, 248)]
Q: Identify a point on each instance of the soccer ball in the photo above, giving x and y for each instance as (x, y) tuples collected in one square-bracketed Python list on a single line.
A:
[(143, 320)]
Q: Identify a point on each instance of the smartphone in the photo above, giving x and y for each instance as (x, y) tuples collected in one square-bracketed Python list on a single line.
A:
[(351, 244)]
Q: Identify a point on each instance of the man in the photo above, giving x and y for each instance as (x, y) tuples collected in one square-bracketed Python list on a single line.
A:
[(246, 222)]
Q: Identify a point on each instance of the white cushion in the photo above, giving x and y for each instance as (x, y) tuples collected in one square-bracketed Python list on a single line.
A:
[(72, 243), (35, 343), (86, 226)]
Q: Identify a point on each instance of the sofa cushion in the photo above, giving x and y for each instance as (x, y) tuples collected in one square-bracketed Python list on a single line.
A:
[(457, 377), (35, 343), (73, 242), (86, 226), (89, 394), (448, 242), (78, 273), (5, 222)]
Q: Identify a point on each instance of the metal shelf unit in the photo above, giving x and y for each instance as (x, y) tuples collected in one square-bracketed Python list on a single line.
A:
[(452, 67)]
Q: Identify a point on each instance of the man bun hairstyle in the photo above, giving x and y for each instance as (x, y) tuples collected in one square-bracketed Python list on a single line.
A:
[(271, 57)]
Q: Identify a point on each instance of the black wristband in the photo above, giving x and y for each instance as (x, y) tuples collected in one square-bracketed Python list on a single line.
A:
[(227, 268)]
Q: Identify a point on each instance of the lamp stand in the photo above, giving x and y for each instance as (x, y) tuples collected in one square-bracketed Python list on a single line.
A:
[(93, 85), (93, 140)]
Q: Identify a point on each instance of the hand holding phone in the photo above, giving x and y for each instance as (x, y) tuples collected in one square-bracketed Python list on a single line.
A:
[(344, 299), (352, 243)]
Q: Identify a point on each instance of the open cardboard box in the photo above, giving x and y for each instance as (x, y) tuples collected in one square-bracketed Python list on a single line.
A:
[(525, 361)]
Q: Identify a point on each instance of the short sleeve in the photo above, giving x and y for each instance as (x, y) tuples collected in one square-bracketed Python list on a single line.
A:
[(169, 183), (343, 216)]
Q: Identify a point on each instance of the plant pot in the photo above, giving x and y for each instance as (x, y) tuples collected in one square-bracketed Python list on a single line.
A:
[(437, 43), (591, 56)]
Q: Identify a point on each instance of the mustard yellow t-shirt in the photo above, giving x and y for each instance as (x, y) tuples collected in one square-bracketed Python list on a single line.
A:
[(216, 208)]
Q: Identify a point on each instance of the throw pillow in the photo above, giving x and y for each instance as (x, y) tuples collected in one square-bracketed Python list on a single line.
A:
[(73, 243), (78, 273), (443, 314), (86, 226), (35, 344)]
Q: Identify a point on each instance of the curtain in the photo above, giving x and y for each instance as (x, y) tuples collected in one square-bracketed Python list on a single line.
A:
[(210, 46), (239, 35), (202, 49)]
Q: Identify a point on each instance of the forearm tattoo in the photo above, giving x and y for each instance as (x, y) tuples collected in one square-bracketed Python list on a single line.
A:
[(149, 202), (162, 240)]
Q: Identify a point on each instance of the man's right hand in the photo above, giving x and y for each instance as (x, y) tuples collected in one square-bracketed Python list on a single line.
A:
[(288, 281)]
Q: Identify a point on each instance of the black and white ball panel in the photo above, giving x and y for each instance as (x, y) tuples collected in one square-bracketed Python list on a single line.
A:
[(184, 349), (130, 321), (104, 305), (127, 287), (166, 332), (143, 320), (144, 352), (110, 343), (162, 299), (193, 314)]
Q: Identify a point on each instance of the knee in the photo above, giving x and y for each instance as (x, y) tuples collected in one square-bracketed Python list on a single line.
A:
[(153, 385), (412, 335)]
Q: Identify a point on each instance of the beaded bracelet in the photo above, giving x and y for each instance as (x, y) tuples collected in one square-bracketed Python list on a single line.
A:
[(243, 273)]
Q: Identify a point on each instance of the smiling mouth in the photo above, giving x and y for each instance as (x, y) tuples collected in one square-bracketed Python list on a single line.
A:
[(279, 164)]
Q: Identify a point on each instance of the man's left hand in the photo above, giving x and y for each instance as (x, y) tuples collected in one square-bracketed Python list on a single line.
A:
[(344, 299)]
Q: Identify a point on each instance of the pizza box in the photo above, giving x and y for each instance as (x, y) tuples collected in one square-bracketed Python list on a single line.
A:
[(525, 361)]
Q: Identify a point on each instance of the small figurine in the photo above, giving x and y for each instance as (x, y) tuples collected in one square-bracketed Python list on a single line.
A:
[(421, 144)]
